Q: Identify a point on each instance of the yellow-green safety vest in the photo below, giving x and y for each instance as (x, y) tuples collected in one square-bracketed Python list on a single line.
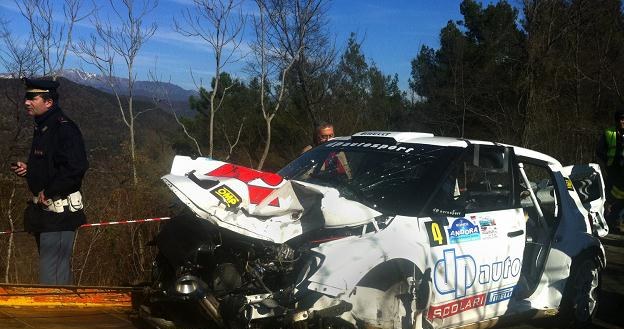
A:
[(611, 138)]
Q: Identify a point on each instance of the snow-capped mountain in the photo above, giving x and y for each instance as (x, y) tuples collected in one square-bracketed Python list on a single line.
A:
[(146, 89), (142, 89)]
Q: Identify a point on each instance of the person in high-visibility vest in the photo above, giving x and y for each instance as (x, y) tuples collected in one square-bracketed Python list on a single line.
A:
[(610, 151)]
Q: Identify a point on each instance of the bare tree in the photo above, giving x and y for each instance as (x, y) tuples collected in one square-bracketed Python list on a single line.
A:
[(220, 24), (301, 29), (232, 145), (124, 40), (161, 98), (271, 59), (17, 59), (51, 39)]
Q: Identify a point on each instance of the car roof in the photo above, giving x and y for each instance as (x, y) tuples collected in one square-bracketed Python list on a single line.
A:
[(431, 139)]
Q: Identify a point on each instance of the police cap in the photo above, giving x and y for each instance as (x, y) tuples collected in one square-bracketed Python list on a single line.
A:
[(619, 114), (40, 85)]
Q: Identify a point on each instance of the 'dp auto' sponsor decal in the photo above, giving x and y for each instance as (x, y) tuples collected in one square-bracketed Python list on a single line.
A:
[(455, 274)]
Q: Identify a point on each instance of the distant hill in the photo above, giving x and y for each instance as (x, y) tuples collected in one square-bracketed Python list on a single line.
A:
[(97, 114), (143, 90)]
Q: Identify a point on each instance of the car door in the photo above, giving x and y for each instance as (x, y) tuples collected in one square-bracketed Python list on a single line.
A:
[(476, 232), (589, 185)]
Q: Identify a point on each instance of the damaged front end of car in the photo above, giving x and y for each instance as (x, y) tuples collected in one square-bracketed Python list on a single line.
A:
[(205, 275), (327, 242), (225, 266)]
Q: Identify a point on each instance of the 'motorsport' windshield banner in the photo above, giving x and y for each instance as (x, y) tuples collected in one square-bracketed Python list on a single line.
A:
[(377, 146)]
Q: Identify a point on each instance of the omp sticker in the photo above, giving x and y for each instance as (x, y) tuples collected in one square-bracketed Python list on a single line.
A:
[(259, 184), (378, 146), (227, 196), (463, 230), (456, 307), (569, 184), (456, 274), (500, 295), (437, 235), (488, 228)]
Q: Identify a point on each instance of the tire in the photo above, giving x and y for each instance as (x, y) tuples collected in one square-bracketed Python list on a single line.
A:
[(582, 294)]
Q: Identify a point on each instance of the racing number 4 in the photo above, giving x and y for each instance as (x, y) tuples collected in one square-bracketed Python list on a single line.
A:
[(437, 237)]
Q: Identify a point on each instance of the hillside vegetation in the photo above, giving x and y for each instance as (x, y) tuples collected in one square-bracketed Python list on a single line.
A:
[(546, 75)]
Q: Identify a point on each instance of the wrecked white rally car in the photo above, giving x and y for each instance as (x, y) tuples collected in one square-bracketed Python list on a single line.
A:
[(384, 230)]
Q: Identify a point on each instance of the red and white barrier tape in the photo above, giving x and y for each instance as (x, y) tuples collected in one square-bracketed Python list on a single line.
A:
[(122, 222)]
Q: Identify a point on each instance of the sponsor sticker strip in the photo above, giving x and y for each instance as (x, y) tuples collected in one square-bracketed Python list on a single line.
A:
[(377, 146), (456, 307)]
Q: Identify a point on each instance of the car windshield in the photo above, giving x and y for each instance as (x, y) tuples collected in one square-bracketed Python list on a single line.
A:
[(392, 179)]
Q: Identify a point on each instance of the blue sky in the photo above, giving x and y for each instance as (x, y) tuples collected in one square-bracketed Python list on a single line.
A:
[(391, 33)]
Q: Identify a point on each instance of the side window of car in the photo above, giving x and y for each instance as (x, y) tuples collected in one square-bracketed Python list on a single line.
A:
[(480, 181)]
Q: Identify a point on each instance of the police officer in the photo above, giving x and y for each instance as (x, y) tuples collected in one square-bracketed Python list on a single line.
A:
[(610, 151), (56, 165)]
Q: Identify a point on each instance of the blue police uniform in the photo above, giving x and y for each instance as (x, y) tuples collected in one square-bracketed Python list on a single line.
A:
[(56, 165)]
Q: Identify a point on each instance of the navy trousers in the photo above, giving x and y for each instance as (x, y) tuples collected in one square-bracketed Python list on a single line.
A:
[(55, 251)]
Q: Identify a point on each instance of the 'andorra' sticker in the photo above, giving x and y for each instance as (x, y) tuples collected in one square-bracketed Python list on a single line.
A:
[(463, 230)]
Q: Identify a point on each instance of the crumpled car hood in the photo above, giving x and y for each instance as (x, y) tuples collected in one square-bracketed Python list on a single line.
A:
[(260, 204)]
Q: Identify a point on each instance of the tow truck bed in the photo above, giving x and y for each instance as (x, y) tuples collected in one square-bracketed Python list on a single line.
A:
[(67, 307)]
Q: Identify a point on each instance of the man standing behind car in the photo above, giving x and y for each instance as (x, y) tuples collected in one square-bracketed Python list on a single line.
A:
[(323, 132), (56, 165), (610, 151)]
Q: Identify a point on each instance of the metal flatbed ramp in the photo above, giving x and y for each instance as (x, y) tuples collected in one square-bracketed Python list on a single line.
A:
[(64, 318), (67, 307)]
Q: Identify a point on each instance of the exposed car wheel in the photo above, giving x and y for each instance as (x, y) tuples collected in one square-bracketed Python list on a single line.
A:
[(384, 297), (393, 308), (582, 294)]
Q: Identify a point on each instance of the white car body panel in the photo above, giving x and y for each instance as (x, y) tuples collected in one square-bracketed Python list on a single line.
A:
[(476, 260), (347, 260), (594, 207), (284, 223)]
